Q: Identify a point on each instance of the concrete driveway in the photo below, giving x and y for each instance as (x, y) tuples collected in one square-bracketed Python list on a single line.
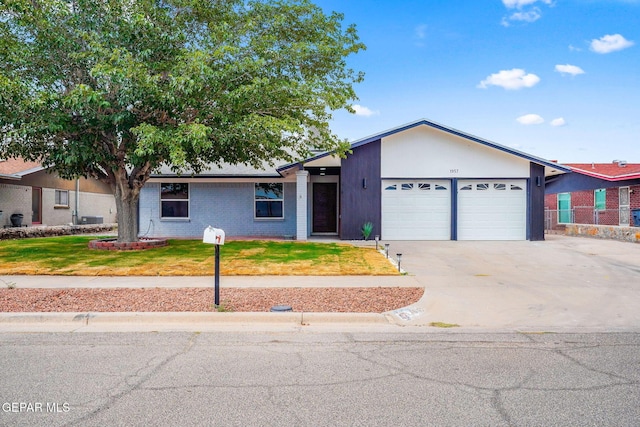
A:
[(558, 284)]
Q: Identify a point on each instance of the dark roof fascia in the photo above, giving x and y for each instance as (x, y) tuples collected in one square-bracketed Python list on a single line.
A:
[(461, 134), (402, 128), (298, 164)]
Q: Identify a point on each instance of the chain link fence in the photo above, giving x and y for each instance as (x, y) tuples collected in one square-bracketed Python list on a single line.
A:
[(556, 218)]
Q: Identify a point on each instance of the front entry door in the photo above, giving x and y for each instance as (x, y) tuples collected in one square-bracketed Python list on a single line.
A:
[(36, 205), (325, 207)]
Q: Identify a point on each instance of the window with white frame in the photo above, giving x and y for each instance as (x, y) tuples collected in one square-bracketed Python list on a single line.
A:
[(62, 198), (174, 200), (269, 200)]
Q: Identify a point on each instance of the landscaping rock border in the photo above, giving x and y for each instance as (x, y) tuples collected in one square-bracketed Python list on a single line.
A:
[(611, 232), (114, 245)]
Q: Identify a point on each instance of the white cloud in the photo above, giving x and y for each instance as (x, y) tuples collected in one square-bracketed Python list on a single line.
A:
[(530, 119), (560, 121), (421, 31), (526, 11), (510, 79), (511, 4), (364, 111), (531, 16), (610, 43), (569, 69)]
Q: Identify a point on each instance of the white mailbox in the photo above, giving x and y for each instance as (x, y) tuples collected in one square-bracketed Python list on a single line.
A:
[(215, 236)]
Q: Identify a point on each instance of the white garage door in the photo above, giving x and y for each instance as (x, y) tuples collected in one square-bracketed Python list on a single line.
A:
[(416, 210), (492, 209)]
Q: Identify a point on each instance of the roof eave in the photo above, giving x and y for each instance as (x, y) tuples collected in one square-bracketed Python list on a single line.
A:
[(210, 176), (12, 177), (407, 126), (607, 177)]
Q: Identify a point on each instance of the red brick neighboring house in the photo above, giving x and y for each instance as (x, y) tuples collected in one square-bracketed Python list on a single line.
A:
[(595, 193), (43, 198)]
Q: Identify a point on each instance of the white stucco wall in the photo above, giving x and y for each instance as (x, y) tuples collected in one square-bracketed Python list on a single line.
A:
[(426, 152)]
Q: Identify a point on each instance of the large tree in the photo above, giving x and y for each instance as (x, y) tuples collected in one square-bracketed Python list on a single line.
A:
[(114, 89)]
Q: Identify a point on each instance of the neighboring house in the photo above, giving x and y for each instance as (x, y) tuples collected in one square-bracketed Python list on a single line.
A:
[(595, 193), (45, 199), (420, 181)]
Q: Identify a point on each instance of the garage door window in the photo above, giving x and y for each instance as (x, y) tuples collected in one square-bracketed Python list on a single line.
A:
[(482, 187), (500, 187), (407, 186), (391, 188), (467, 187), (515, 187)]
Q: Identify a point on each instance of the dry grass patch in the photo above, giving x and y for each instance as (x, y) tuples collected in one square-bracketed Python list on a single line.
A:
[(70, 255)]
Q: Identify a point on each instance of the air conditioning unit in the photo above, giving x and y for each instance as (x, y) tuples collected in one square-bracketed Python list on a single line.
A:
[(91, 220)]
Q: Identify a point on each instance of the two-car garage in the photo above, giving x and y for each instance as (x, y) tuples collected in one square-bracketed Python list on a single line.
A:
[(426, 181), (464, 209)]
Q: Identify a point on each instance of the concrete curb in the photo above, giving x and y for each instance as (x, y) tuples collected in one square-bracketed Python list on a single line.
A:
[(86, 319)]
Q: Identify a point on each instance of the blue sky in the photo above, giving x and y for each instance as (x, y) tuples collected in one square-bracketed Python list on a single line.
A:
[(559, 79)]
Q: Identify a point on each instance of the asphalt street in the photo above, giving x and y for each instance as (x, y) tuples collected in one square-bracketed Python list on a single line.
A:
[(319, 379)]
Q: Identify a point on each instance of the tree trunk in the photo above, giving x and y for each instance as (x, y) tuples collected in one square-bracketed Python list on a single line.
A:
[(127, 200)]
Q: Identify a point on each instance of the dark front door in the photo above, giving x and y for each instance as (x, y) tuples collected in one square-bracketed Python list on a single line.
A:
[(325, 207), (36, 205)]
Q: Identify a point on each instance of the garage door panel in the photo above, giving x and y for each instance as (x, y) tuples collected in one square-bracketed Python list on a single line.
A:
[(416, 210), (491, 210)]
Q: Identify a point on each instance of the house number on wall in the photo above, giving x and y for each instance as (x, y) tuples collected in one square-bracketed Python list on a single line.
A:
[(453, 170)]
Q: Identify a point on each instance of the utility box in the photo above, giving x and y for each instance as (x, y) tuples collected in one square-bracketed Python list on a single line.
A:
[(91, 220), (214, 236), (636, 217)]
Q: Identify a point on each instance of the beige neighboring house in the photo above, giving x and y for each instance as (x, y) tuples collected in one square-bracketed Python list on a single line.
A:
[(44, 198)]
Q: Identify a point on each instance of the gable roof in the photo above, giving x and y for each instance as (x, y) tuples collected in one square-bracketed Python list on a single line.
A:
[(555, 167), (614, 171)]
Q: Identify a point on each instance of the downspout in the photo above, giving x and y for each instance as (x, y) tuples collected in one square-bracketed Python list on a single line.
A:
[(76, 222)]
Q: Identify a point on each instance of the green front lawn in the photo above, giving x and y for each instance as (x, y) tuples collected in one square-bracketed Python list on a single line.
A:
[(69, 255)]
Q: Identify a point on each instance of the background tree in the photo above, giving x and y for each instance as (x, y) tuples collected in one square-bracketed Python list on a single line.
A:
[(114, 89)]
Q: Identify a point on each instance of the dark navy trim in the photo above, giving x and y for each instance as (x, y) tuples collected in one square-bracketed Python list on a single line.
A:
[(449, 130), (300, 164), (454, 209), (528, 208), (463, 135)]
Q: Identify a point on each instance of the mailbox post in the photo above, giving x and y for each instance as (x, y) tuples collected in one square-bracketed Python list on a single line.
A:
[(215, 236)]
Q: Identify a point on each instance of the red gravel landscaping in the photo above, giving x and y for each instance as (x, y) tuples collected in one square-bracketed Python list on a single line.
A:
[(337, 300)]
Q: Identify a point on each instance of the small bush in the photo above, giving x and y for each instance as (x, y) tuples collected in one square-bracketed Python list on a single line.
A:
[(367, 228)]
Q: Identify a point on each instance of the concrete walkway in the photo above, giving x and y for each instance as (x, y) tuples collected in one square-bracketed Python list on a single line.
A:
[(111, 282), (561, 284)]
